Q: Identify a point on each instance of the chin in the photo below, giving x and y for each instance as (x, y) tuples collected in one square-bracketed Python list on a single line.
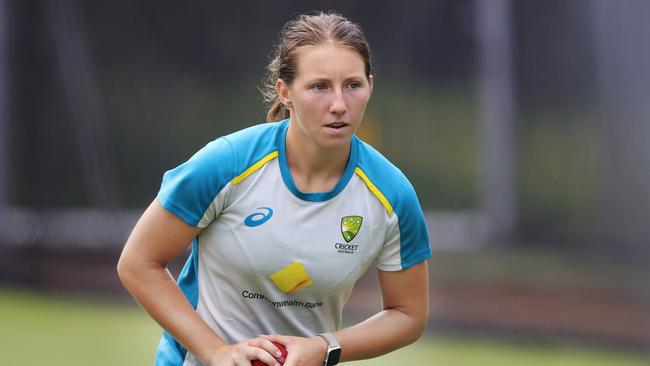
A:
[(335, 142)]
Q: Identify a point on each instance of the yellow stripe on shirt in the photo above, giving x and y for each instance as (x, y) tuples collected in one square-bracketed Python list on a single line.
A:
[(253, 168), (375, 191)]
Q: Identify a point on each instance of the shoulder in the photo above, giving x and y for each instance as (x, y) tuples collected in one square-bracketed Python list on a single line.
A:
[(258, 135), (229, 155), (188, 189), (254, 144), (389, 180), (397, 195)]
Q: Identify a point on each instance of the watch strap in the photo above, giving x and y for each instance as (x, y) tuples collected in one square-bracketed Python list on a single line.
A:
[(331, 340), (333, 349)]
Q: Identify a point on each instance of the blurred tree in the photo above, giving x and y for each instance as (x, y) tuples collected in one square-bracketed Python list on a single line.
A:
[(5, 114), (621, 31), (498, 154), (77, 72)]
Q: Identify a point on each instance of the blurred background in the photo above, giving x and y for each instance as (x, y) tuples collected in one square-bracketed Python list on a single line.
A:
[(523, 126)]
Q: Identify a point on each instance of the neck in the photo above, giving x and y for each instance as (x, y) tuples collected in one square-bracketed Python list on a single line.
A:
[(313, 168)]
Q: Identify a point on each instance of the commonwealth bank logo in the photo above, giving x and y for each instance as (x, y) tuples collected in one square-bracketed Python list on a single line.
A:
[(350, 226), (292, 278)]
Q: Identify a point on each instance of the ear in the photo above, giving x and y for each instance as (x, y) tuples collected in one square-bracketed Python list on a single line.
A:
[(371, 82), (283, 91)]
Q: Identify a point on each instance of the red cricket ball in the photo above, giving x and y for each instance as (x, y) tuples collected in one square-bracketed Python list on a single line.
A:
[(280, 359)]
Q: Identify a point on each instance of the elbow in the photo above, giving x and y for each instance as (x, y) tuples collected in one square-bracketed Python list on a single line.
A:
[(416, 331), (419, 329), (417, 326), (411, 324), (423, 321), (124, 269)]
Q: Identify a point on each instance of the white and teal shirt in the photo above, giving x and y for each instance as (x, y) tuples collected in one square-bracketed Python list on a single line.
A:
[(272, 259)]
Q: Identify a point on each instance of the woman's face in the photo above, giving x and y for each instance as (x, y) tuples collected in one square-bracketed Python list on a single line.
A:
[(328, 95)]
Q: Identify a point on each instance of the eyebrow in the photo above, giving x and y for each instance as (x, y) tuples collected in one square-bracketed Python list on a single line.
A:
[(325, 79)]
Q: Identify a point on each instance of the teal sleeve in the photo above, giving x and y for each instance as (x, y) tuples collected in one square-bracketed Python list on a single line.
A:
[(188, 189)]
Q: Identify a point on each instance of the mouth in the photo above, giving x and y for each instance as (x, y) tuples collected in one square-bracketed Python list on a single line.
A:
[(336, 125)]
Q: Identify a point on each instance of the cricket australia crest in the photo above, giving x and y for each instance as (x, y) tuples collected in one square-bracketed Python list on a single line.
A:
[(350, 226)]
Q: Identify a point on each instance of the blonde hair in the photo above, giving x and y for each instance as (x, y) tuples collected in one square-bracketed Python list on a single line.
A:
[(308, 30)]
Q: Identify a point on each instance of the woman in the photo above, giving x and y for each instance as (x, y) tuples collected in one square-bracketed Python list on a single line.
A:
[(283, 218)]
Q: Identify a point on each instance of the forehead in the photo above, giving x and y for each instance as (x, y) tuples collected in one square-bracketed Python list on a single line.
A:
[(328, 60)]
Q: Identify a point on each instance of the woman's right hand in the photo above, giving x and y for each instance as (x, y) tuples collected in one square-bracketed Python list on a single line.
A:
[(242, 353)]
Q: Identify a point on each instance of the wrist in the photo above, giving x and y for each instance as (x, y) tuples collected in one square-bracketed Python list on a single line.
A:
[(322, 346), (209, 356)]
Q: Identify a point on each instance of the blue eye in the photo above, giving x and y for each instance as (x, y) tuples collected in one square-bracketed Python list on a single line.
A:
[(354, 84), (319, 86)]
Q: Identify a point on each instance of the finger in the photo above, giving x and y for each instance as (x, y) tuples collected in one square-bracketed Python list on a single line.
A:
[(267, 345), (284, 340), (257, 353)]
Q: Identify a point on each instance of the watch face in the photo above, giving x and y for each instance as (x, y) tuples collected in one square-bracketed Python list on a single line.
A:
[(333, 356)]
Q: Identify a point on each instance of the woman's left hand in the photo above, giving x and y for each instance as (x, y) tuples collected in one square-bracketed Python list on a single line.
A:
[(301, 351)]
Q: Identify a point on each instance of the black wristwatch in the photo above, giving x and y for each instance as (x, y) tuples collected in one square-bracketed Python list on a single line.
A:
[(333, 350)]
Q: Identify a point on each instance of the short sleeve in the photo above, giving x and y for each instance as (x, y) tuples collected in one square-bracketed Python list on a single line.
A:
[(188, 191), (407, 239)]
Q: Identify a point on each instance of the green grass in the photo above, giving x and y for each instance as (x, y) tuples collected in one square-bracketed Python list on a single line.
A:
[(38, 329), (46, 330), (455, 351)]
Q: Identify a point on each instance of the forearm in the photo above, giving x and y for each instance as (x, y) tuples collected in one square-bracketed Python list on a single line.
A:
[(405, 296), (155, 290), (382, 333)]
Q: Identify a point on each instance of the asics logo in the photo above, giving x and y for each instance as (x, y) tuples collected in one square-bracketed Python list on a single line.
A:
[(258, 218)]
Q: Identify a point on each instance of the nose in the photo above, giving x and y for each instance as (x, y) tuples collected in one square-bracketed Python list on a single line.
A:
[(338, 105)]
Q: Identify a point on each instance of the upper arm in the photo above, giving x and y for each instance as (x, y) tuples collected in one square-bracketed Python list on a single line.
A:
[(158, 237), (187, 201), (407, 239), (407, 290)]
